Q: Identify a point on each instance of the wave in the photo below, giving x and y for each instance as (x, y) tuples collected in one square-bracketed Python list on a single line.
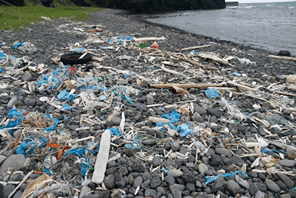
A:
[(291, 7)]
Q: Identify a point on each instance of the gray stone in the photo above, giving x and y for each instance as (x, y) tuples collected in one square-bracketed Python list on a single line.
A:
[(84, 190), (150, 99), (138, 181), (156, 181), (272, 185), (12, 102), (27, 76), (287, 181), (149, 142), (237, 160), (18, 194), (291, 152), (150, 193), (123, 170), (232, 187), (285, 196), (161, 190), (214, 112), (222, 151), (215, 160), (109, 181), (197, 118), (130, 179), (145, 184), (253, 189), (178, 186), (119, 180), (259, 194), (156, 161), (16, 176), (14, 161), (176, 193), (190, 187), (220, 184), (275, 129), (198, 184), (288, 163), (123, 82), (188, 178), (175, 146), (202, 168), (2, 158), (116, 121), (8, 189), (175, 173), (146, 176), (200, 110), (170, 180), (241, 182)]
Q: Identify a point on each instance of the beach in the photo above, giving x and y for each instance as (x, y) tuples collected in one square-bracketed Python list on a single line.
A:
[(217, 119)]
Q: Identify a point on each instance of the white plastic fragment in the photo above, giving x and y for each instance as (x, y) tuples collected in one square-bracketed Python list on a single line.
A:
[(102, 158)]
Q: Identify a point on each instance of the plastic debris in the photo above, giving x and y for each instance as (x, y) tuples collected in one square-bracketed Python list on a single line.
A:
[(212, 93), (210, 179)]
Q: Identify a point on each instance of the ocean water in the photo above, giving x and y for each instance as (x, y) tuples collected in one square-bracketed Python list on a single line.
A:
[(270, 26)]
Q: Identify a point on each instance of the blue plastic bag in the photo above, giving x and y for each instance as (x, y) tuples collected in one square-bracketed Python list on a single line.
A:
[(212, 93), (66, 95)]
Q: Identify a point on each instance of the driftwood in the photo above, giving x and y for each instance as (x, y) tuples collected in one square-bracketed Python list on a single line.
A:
[(102, 158), (149, 39), (195, 47), (214, 57), (185, 85), (283, 57), (169, 63), (180, 90), (242, 86)]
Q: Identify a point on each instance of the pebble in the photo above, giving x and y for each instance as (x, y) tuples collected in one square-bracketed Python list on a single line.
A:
[(116, 121), (222, 151), (288, 163), (288, 182), (232, 187), (202, 168), (138, 181), (175, 173), (14, 161), (241, 182), (272, 185), (175, 146), (12, 102), (8, 189), (109, 181), (260, 194)]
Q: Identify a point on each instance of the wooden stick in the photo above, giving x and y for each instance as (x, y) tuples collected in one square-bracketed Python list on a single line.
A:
[(185, 85), (282, 57), (171, 71), (242, 86), (285, 93), (102, 158), (169, 63), (195, 47), (23, 181)]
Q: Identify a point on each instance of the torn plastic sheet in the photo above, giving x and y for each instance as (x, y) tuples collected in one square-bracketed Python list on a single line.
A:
[(136, 144), (56, 122), (66, 95), (265, 150), (114, 131), (214, 178), (14, 114), (212, 93), (18, 44), (66, 107), (173, 117), (80, 152), (78, 50), (184, 130), (23, 147)]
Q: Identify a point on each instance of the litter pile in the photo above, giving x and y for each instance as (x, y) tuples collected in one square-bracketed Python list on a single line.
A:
[(117, 114)]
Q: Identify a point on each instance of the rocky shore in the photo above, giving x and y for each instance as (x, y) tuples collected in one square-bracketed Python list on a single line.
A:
[(215, 120)]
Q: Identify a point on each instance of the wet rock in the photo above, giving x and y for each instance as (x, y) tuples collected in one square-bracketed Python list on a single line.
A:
[(288, 163), (14, 161), (84, 190), (116, 121), (8, 189), (272, 185), (287, 181), (202, 168), (156, 161), (215, 160), (175, 173), (155, 182), (109, 181), (175, 146), (119, 180), (232, 187), (138, 181), (284, 53)]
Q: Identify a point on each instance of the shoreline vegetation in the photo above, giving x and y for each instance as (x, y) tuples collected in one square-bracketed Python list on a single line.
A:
[(18, 17)]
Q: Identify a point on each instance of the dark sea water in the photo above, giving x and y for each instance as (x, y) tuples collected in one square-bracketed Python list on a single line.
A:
[(270, 26)]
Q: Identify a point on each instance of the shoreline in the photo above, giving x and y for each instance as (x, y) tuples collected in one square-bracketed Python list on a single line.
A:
[(206, 136)]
